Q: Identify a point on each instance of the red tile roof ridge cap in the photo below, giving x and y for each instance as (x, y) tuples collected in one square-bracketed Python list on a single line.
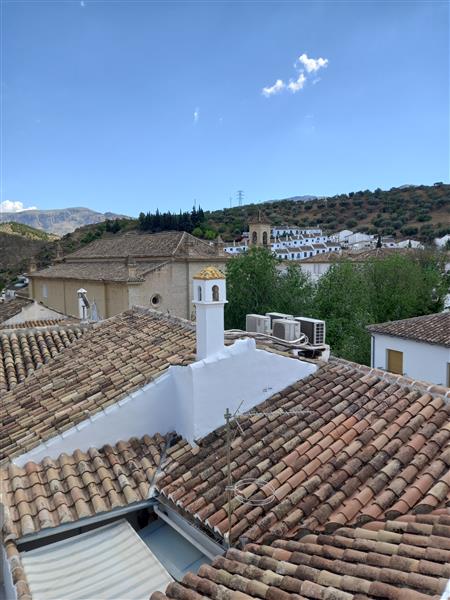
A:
[(436, 391), (162, 316), (45, 328)]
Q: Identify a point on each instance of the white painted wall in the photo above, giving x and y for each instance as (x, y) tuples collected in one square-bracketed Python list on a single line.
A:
[(33, 312), (239, 374), (315, 270), (189, 400), (425, 362)]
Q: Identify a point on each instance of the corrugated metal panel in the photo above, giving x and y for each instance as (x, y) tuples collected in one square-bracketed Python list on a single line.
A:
[(176, 554), (108, 563)]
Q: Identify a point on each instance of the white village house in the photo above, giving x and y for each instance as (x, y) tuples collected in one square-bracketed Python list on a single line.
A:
[(418, 347)]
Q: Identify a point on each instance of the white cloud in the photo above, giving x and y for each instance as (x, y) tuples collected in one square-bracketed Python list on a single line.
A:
[(312, 64), (276, 88), (302, 64), (298, 84), (11, 206), (196, 115)]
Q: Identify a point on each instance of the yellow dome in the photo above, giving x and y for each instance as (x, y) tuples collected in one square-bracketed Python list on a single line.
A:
[(210, 273)]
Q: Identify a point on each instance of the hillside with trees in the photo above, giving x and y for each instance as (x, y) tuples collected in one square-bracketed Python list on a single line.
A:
[(422, 212)]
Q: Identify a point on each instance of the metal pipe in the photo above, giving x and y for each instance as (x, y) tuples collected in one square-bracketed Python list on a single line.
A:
[(301, 341)]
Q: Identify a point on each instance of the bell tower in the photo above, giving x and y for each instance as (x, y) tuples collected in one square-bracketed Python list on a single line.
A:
[(259, 231), (209, 293)]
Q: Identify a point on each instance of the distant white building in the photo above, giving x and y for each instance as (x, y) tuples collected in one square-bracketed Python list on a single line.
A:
[(287, 243), (410, 244), (418, 347), (440, 242)]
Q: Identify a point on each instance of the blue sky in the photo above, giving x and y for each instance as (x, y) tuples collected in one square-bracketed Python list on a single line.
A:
[(129, 106)]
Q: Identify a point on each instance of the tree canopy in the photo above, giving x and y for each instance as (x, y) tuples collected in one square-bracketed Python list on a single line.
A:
[(348, 297)]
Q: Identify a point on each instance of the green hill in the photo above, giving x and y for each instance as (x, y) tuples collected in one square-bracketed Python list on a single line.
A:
[(25, 231), (422, 212)]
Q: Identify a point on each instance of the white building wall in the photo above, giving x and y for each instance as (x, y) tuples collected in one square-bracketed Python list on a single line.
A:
[(315, 270), (425, 362), (189, 400), (33, 312)]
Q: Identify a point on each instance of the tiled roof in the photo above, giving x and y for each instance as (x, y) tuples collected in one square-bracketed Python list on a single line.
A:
[(38, 324), (97, 271), (23, 351), (77, 486), (116, 357), (405, 559), (325, 257), (12, 307), (380, 253), (147, 245), (352, 445), (432, 329), (209, 273)]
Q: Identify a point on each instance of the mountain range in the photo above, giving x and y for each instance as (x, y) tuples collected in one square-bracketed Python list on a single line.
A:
[(58, 221)]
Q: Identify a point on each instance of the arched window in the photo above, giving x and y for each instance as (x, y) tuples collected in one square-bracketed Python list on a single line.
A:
[(254, 237), (265, 238), (215, 293), (199, 293)]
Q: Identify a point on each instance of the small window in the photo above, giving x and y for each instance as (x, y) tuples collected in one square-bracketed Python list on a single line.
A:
[(199, 293), (155, 300), (215, 293), (44, 290), (395, 361), (265, 238), (254, 237)]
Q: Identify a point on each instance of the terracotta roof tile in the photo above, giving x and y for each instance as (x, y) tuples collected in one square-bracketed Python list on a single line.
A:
[(391, 455), (38, 324), (23, 351), (432, 329), (73, 487), (146, 245), (88, 376), (10, 308), (351, 564)]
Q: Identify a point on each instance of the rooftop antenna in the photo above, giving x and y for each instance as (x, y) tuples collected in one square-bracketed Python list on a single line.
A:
[(234, 489), (240, 196)]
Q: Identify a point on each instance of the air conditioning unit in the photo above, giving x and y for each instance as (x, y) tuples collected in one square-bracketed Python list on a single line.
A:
[(286, 329), (275, 315), (314, 329), (257, 324)]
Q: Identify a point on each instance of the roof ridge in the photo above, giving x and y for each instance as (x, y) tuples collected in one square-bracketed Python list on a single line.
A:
[(162, 316), (415, 318), (421, 386)]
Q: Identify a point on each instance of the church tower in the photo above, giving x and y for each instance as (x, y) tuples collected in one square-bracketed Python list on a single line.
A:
[(259, 231)]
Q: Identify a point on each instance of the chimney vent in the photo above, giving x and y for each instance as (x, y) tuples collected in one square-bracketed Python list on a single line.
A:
[(83, 304), (209, 298)]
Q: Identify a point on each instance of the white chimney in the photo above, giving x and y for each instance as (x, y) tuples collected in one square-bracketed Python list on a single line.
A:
[(83, 304), (209, 293)]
